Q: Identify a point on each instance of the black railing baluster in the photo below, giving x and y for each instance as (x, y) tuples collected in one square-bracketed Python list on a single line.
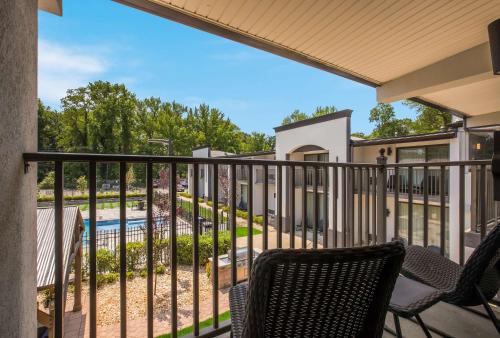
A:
[(442, 198), (461, 215), (173, 244), (374, 206), (360, 206), (335, 183), (426, 205), (266, 208), (344, 207), (482, 200), (279, 206), (315, 207), (326, 172), (58, 250), (250, 220), (304, 207), (396, 203), (352, 187), (215, 239), (150, 243), (123, 249), (410, 205), (234, 276), (196, 254), (367, 205), (92, 250), (291, 207)]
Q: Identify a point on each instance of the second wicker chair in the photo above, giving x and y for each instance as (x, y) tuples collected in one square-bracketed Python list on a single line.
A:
[(317, 293)]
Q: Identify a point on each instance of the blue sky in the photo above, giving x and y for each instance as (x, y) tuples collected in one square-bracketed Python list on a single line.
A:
[(103, 40)]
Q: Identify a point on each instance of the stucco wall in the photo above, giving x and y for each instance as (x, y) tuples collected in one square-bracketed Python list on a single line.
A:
[(369, 154), (332, 135), (18, 130)]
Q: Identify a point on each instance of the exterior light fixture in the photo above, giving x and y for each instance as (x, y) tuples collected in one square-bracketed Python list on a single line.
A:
[(494, 33), (478, 146)]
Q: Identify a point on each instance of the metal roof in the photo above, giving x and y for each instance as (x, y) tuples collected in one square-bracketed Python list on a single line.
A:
[(73, 226), (405, 139)]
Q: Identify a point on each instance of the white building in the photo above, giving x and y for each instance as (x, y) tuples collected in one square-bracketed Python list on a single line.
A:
[(328, 139)]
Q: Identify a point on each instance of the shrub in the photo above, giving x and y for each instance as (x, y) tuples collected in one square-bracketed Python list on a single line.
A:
[(130, 274), (185, 247), (105, 261), (143, 273), (48, 181), (107, 278), (135, 254), (200, 200), (185, 194), (100, 195), (161, 269)]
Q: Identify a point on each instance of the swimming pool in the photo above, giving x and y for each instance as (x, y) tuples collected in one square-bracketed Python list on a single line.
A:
[(113, 224)]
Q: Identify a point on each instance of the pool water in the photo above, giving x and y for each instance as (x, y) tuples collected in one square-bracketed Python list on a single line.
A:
[(114, 224)]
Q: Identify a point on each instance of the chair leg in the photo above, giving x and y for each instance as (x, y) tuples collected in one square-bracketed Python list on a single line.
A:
[(422, 325), (397, 325), (488, 309)]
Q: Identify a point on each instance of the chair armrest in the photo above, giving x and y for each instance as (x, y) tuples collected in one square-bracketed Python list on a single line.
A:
[(237, 306), (429, 267)]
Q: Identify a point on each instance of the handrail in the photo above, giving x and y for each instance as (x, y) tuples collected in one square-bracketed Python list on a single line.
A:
[(87, 157)]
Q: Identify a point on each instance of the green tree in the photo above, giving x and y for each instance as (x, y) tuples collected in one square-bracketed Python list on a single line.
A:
[(49, 126), (257, 142), (99, 118), (81, 184), (360, 135), (320, 111), (209, 126), (386, 123), (130, 177), (428, 119), (48, 181), (296, 116)]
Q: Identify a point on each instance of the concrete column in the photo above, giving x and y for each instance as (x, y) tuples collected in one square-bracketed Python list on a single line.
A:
[(18, 130)]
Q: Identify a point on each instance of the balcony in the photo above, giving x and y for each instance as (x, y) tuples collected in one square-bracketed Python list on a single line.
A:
[(357, 216)]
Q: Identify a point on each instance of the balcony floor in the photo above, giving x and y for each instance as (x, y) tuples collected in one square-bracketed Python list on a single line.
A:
[(455, 322)]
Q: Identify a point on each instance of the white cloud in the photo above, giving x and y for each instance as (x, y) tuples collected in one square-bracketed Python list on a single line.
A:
[(63, 67)]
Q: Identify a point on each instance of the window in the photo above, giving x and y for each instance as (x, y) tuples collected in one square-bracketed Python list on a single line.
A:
[(323, 157), (436, 153), (480, 145)]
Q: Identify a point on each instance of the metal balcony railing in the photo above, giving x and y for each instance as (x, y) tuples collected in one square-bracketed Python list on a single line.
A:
[(354, 208)]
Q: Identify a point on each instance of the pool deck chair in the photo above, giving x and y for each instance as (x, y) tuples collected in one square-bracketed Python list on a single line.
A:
[(317, 293)]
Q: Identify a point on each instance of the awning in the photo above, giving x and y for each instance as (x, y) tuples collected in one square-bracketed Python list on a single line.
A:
[(434, 51), (73, 227)]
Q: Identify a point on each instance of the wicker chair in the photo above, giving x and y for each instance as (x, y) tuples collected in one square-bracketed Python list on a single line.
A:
[(474, 284), (317, 293)]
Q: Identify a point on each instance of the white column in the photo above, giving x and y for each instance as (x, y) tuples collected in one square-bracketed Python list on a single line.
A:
[(18, 130), (457, 152)]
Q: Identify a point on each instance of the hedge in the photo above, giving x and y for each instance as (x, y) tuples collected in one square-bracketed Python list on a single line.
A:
[(185, 247), (100, 195)]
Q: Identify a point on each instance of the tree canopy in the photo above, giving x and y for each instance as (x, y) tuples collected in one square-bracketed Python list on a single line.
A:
[(427, 120), (104, 117), (298, 115)]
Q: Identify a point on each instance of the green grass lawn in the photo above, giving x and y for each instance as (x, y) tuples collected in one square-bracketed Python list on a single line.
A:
[(203, 325), (243, 231)]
